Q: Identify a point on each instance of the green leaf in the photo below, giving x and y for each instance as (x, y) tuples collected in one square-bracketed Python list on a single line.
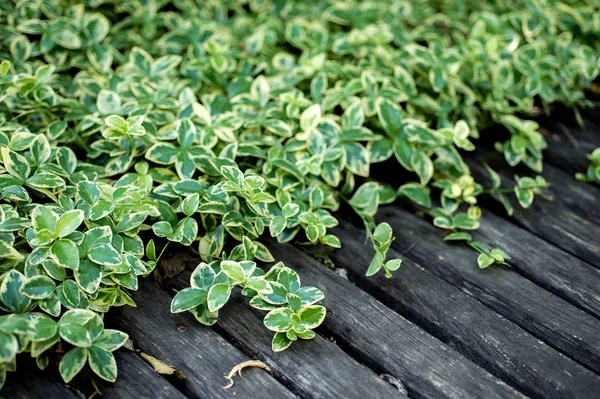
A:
[(10, 292), (312, 316), (105, 255), (15, 164), (202, 277), (102, 362), (68, 222), (277, 225), (309, 295), (88, 191), (279, 320), (289, 279), (389, 116), (65, 253), (233, 270), (38, 287), (484, 260), (72, 363), (422, 166), (80, 327), (8, 347), (89, 276), (111, 340), (108, 102), (131, 221), (162, 153), (190, 204), (459, 236), (416, 193), (218, 296), (280, 342), (187, 299)]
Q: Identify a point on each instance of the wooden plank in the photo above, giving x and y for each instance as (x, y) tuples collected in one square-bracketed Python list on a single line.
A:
[(198, 352), (554, 221), (568, 155), (548, 266), (316, 368), (137, 380), (29, 382), (536, 310), (387, 342), (466, 324)]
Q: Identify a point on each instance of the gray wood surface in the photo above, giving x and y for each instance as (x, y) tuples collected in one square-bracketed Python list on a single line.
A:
[(536, 310), (389, 343), (470, 327), (313, 369), (201, 354)]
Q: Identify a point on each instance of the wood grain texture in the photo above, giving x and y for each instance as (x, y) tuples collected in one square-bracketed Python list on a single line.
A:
[(565, 226), (536, 310), (476, 331), (29, 382), (387, 342), (548, 266), (315, 368), (137, 380), (197, 351)]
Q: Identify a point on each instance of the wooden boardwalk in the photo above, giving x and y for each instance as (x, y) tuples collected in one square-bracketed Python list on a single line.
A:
[(440, 328)]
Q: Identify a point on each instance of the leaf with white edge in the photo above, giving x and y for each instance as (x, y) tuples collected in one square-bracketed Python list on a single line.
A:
[(88, 275), (102, 362), (108, 102), (68, 222), (105, 255), (289, 279), (10, 292), (8, 347), (38, 287), (279, 320), (233, 270), (218, 295), (310, 117), (188, 298), (72, 363), (131, 221), (309, 295), (65, 253), (88, 191), (202, 277), (259, 284), (80, 327), (111, 340), (312, 316), (280, 342), (422, 166)]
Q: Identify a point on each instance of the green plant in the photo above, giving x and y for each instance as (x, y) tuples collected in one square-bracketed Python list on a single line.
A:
[(247, 118), (593, 172)]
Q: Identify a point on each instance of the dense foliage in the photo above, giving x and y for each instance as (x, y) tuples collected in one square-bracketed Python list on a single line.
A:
[(213, 123)]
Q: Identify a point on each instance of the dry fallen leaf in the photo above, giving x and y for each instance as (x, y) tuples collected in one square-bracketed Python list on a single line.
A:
[(238, 369), (161, 367)]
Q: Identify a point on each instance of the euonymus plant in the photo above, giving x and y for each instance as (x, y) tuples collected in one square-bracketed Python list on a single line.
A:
[(215, 123)]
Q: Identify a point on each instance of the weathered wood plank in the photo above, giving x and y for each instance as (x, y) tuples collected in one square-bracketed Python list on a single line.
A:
[(568, 155), (387, 342), (316, 368), (137, 380), (466, 324), (536, 310), (548, 266), (29, 382), (198, 352), (554, 221)]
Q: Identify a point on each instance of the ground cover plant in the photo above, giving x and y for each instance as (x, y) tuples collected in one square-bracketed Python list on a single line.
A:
[(128, 125)]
